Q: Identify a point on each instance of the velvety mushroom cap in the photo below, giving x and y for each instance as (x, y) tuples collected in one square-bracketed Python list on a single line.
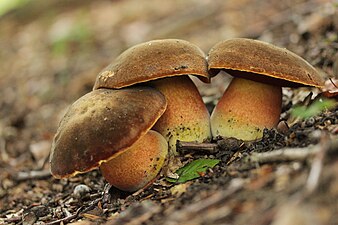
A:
[(153, 60), (101, 125), (262, 62), (139, 164)]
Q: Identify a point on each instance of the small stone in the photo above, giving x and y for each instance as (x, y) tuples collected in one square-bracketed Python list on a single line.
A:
[(81, 190), (327, 122), (282, 127), (310, 122)]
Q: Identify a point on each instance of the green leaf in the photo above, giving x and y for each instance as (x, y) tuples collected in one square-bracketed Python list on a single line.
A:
[(314, 109), (193, 169)]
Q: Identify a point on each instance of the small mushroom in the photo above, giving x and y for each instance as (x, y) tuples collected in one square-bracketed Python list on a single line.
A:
[(253, 99), (165, 64), (102, 125)]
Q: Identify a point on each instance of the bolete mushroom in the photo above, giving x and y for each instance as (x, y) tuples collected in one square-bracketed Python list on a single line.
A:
[(253, 99), (107, 128), (165, 64)]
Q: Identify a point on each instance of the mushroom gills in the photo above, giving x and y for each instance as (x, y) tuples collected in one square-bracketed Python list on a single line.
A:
[(245, 109), (186, 117), (138, 165)]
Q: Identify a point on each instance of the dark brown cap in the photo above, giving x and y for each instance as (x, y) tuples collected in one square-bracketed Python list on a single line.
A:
[(101, 125), (153, 60), (263, 62)]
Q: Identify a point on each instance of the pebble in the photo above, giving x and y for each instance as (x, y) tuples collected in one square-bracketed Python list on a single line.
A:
[(310, 122), (81, 190), (283, 127)]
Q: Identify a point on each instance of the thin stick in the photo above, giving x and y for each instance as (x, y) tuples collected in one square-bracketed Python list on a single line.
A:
[(105, 195), (206, 147), (45, 161), (66, 219), (190, 212), (287, 154), (283, 155), (3, 153), (76, 214), (317, 165), (32, 175), (333, 83)]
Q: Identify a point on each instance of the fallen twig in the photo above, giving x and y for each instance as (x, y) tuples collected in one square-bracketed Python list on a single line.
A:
[(205, 147), (317, 164), (136, 214), (3, 153), (15, 219), (66, 219), (76, 214), (44, 163), (193, 213), (32, 175), (228, 144), (282, 155), (287, 154), (105, 194)]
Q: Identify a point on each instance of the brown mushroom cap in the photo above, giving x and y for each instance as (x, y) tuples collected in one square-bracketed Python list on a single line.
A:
[(101, 125), (262, 62), (153, 60)]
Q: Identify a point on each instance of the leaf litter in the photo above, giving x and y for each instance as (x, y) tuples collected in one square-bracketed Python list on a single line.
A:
[(278, 180)]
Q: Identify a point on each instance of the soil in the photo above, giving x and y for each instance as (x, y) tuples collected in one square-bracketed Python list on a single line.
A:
[(51, 52)]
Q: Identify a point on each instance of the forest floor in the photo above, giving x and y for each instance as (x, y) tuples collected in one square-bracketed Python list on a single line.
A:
[(51, 52)]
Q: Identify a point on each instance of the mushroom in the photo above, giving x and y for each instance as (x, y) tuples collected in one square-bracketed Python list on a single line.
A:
[(165, 64), (137, 167), (106, 128), (253, 99)]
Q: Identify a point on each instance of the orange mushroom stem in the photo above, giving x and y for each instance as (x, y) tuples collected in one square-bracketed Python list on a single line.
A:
[(138, 165), (245, 109), (186, 117)]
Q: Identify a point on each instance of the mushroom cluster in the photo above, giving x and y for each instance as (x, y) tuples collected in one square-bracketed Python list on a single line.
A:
[(253, 99), (145, 101), (165, 65), (141, 104)]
